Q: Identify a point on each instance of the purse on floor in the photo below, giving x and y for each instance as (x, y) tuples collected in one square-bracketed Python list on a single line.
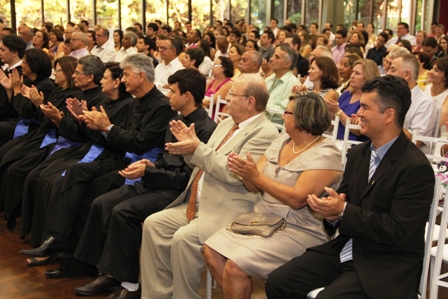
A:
[(259, 224)]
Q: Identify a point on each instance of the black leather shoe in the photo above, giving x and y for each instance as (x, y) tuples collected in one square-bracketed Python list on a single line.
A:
[(51, 246), (53, 273), (99, 285), (122, 293)]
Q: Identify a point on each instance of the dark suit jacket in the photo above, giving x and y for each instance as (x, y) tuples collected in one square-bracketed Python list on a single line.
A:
[(386, 218)]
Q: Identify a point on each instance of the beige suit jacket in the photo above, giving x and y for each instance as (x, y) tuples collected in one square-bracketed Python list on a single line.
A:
[(223, 195)]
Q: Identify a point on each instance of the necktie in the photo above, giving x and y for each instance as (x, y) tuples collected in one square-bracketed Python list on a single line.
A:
[(191, 207), (346, 252), (398, 40)]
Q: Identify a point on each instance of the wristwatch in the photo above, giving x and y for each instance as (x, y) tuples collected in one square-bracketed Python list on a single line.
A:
[(338, 114)]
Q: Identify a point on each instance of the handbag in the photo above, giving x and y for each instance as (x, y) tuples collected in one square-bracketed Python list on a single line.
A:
[(259, 224)]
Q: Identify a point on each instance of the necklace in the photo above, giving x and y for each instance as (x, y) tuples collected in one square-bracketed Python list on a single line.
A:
[(294, 146)]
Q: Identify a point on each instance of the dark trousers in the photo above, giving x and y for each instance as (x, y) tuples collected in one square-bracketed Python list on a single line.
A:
[(314, 270), (112, 236)]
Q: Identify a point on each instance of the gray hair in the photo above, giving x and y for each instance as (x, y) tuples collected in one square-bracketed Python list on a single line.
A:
[(410, 63), (291, 54), (255, 86), (139, 63), (255, 56), (132, 36), (325, 51), (397, 52), (81, 36), (92, 65), (105, 30)]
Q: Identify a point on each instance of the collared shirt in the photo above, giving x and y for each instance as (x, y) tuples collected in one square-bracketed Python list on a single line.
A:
[(267, 53), (407, 36), (122, 54), (422, 115), (377, 54), (105, 52), (338, 52), (279, 91), (382, 150), (163, 71), (79, 53)]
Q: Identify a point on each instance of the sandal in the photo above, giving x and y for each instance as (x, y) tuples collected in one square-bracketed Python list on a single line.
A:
[(39, 261)]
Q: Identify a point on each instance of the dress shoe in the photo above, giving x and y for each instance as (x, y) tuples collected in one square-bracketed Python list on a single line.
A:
[(99, 285), (122, 293), (51, 246), (53, 273)]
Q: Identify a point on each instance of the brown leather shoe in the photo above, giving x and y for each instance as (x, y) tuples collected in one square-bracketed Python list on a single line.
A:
[(122, 293), (99, 285)]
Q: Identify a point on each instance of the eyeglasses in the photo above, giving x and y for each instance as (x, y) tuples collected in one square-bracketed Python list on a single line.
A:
[(286, 113), (217, 65), (100, 35), (74, 39), (79, 74), (231, 94), (57, 70)]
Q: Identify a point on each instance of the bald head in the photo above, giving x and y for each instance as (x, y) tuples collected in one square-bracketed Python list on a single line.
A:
[(250, 62)]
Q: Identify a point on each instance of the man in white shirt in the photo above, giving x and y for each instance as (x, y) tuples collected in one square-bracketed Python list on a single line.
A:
[(274, 26), (402, 33), (169, 50), (78, 42), (103, 50), (129, 41), (422, 115)]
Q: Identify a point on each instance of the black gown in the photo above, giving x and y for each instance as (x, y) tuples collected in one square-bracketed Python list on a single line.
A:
[(112, 236)]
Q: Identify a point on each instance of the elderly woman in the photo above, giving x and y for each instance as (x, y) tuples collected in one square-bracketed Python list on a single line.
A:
[(222, 72), (295, 165), (129, 41)]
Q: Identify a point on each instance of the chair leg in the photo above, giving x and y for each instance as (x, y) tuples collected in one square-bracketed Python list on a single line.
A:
[(434, 288), (208, 285)]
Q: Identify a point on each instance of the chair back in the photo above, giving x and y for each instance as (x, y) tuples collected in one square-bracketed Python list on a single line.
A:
[(332, 135), (219, 115), (346, 142), (210, 107)]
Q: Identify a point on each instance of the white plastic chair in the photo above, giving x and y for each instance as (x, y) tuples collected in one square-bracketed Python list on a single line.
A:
[(210, 285), (210, 107), (219, 103), (346, 142), (334, 134), (431, 231)]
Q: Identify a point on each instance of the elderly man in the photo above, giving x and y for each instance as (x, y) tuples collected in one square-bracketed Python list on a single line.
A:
[(169, 50), (250, 62), (379, 209), (302, 64), (422, 115), (129, 41), (27, 34), (281, 82), (171, 259), (103, 49), (162, 182), (78, 43)]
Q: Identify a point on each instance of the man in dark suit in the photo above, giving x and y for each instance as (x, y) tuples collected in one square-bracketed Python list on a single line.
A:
[(380, 209)]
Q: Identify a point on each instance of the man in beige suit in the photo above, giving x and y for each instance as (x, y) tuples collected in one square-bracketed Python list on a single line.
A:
[(171, 260)]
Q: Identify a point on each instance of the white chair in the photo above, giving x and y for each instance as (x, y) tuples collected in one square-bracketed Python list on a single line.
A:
[(210, 285), (334, 133), (210, 107), (431, 231), (346, 142), (220, 103)]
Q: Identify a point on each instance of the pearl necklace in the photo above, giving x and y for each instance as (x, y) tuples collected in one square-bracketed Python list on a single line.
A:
[(294, 146)]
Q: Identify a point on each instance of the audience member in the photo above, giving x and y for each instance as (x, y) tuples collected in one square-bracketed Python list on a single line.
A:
[(235, 53), (169, 50), (118, 39), (425, 66), (103, 50), (345, 68), (302, 64), (128, 46), (305, 47), (377, 52), (78, 43), (340, 40)]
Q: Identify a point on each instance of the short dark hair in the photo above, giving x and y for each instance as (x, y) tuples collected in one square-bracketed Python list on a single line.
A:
[(167, 28), (430, 42), (71, 24), (190, 80), (404, 24), (177, 43), (15, 44), (423, 58), (149, 42), (257, 33), (389, 32), (154, 26), (271, 35), (315, 24), (343, 32), (139, 25), (39, 62), (197, 54), (85, 22), (384, 35), (253, 42), (58, 34), (236, 32), (274, 19), (442, 65), (310, 113), (392, 92), (227, 65), (296, 40)]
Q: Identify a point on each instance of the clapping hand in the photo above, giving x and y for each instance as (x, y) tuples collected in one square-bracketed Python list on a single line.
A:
[(135, 170), (329, 207), (53, 113), (96, 120), (247, 169), (76, 107), (186, 136), (16, 81), (5, 81), (33, 95)]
